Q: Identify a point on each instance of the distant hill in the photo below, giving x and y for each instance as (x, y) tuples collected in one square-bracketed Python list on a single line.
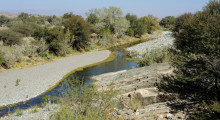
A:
[(8, 14)]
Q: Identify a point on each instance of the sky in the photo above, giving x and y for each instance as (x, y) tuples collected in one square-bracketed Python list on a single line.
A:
[(158, 8)]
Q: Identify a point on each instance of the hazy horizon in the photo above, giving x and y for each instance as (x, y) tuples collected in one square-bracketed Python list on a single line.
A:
[(159, 8)]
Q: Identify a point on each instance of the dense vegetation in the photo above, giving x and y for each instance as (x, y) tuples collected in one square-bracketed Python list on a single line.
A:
[(197, 62), (86, 104), (168, 22), (34, 38)]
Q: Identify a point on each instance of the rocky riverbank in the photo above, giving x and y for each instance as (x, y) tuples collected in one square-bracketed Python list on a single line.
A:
[(164, 39), (24, 84), (138, 86)]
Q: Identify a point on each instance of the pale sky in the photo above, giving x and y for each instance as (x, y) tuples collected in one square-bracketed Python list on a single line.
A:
[(159, 8)]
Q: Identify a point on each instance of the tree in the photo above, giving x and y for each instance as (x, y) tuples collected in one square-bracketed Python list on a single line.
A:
[(56, 40), (133, 24), (10, 37), (150, 23), (121, 26), (92, 19), (110, 18), (39, 32), (4, 20), (146, 24), (69, 15), (197, 61), (80, 29), (27, 18), (168, 21), (24, 29)]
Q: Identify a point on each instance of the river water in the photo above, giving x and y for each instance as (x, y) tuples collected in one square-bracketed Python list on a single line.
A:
[(119, 63)]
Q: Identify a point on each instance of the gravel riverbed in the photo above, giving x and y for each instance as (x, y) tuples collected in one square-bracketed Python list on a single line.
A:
[(24, 84), (163, 40)]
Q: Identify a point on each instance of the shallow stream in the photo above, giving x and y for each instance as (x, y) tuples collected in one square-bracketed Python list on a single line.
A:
[(119, 63)]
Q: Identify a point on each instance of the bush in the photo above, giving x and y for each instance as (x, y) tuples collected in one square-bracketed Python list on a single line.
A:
[(42, 48), (168, 22), (23, 29), (135, 103), (10, 37), (198, 33), (197, 61), (85, 103), (106, 39), (155, 56), (210, 112), (4, 20), (28, 49), (39, 32), (80, 29), (1, 58), (11, 55), (133, 24), (56, 39), (59, 47)]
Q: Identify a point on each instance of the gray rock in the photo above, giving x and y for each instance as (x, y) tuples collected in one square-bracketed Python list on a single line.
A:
[(169, 116), (180, 115), (137, 113), (120, 112), (160, 117)]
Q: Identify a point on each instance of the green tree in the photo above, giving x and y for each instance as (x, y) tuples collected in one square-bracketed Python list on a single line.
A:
[(168, 21), (27, 18), (197, 61), (92, 19), (80, 29), (150, 23), (146, 24), (10, 37), (4, 20), (25, 29), (133, 24), (121, 26), (56, 40), (110, 18), (39, 32)]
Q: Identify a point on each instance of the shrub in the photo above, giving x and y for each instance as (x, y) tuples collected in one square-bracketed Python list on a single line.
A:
[(157, 55), (147, 24), (211, 112), (135, 103), (197, 61), (23, 29), (28, 49), (85, 103), (17, 82), (18, 113), (92, 19), (10, 55), (39, 32), (10, 37), (133, 24), (168, 21), (56, 39), (4, 20), (42, 48), (1, 57), (106, 39), (59, 47), (80, 29)]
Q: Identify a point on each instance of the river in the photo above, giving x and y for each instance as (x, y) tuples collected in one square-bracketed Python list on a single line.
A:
[(119, 63)]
